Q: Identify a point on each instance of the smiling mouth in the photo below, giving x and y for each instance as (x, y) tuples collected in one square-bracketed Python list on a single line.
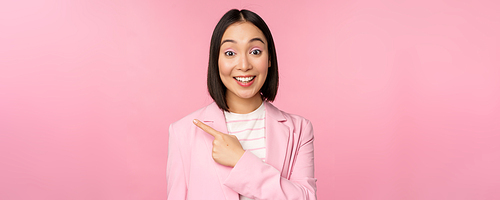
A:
[(244, 79)]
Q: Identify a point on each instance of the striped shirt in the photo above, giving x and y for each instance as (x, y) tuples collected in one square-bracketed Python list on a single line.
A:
[(250, 129)]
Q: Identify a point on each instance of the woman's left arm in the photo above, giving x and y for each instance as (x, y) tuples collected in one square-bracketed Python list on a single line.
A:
[(255, 179)]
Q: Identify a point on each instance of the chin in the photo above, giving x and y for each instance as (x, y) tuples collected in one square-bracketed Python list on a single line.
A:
[(246, 95)]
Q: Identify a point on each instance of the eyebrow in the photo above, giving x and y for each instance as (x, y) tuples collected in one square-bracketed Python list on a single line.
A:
[(252, 40), (257, 39)]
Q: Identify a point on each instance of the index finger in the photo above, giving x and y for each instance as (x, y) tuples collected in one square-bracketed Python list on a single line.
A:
[(206, 128)]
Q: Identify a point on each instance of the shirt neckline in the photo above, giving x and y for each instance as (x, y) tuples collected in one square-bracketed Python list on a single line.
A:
[(261, 107)]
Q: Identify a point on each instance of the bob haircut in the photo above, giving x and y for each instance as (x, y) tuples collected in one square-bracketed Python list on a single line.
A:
[(216, 88)]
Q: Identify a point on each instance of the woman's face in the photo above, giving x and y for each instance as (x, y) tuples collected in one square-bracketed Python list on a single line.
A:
[(243, 60)]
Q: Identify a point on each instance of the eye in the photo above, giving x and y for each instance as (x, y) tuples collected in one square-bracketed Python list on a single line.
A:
[(229, 53), (255, 52)]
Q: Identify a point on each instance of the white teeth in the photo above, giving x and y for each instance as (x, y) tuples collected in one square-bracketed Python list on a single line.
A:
[(245, 79)]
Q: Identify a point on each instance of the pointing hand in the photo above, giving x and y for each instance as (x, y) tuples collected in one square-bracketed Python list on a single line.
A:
[(226, 148)]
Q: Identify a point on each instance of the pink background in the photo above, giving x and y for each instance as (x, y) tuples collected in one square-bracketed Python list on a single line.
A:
[(404, 96)]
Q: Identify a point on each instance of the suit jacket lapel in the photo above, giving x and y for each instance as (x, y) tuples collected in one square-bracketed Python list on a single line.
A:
[(277, 139)]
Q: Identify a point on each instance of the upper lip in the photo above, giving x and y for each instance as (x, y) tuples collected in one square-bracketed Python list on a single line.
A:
[(245, 76)]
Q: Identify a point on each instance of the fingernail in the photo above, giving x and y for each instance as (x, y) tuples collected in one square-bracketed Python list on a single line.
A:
[(195, 121)]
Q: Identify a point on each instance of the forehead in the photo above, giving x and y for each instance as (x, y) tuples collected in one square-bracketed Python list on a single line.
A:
[(243, 32)]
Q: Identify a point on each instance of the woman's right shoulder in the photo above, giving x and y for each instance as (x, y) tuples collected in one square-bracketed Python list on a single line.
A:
[(183, 130), (187, 120)]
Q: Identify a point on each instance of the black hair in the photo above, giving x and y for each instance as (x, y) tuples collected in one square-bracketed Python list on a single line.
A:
[(216, 88)]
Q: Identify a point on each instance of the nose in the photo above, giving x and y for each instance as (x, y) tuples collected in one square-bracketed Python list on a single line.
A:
[(244, 64)]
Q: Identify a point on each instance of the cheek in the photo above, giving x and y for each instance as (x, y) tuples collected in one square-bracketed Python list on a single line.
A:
[(262, 65), (224, 68)]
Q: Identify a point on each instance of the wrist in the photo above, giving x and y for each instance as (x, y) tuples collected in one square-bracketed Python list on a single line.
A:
[(240, 154)]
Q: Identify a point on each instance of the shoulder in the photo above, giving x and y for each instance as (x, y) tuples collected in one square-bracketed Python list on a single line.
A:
[(294, 120), (189, 118), (280, 114), (201, 114), (297, 119), (183, 131)]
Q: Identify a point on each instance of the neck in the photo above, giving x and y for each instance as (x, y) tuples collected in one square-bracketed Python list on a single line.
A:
[(243, 106)]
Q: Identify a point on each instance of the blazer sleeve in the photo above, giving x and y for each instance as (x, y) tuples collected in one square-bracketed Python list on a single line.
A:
[(256, 179), (176, 179)]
